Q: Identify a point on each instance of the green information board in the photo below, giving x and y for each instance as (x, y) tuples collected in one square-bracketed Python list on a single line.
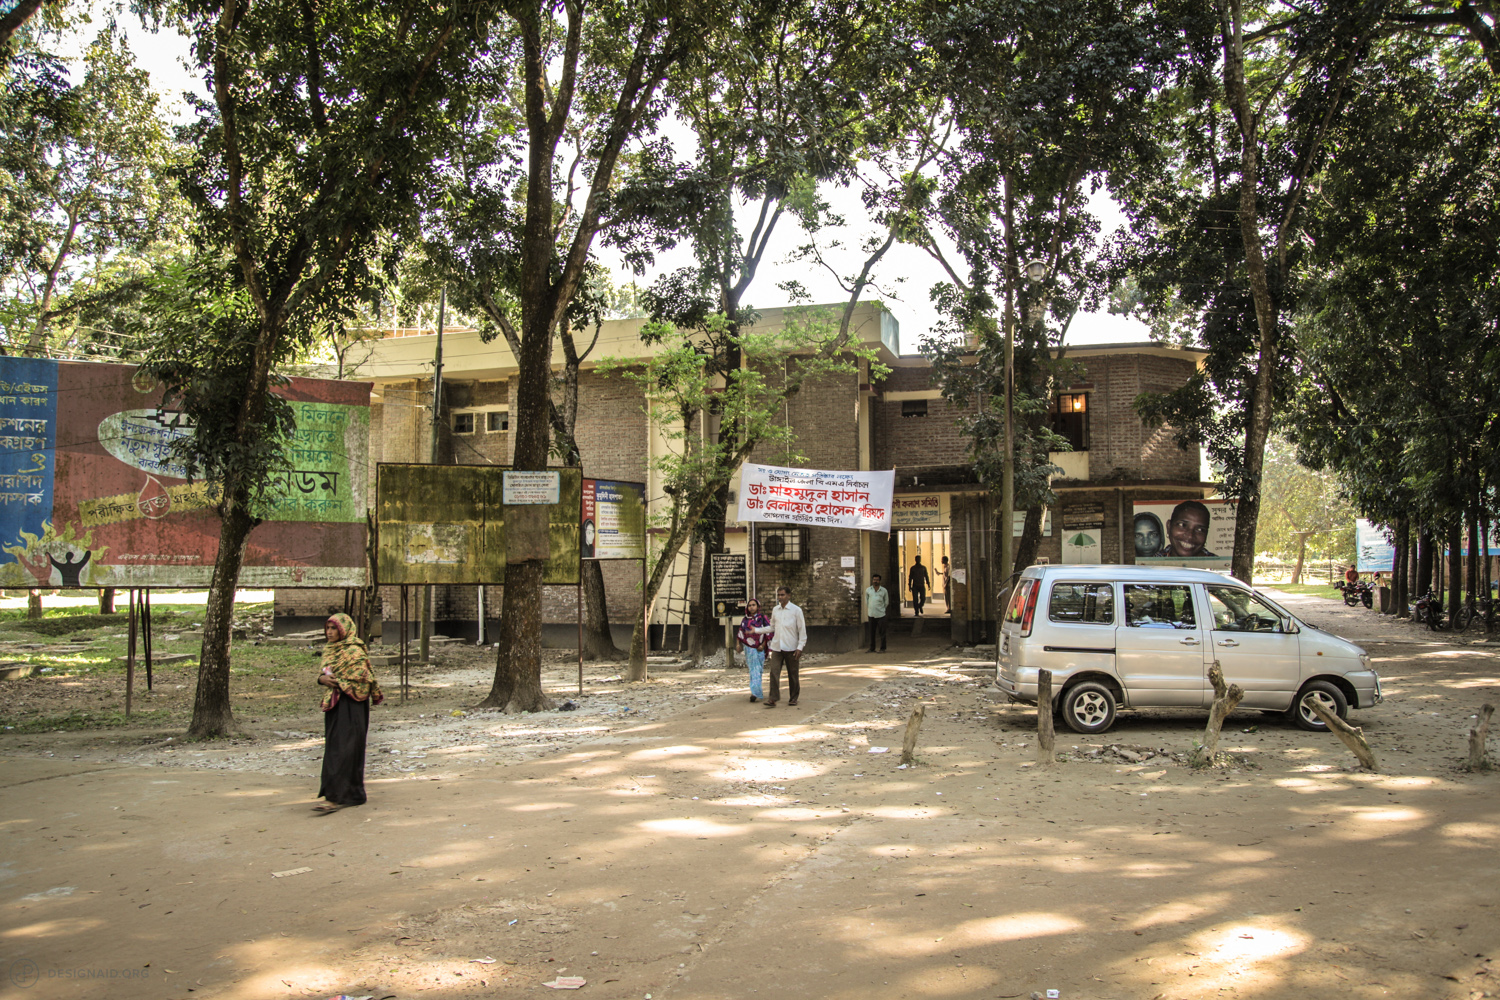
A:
[(446, 524)]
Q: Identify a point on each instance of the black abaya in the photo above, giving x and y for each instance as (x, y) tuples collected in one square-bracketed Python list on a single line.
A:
[(345, 728)]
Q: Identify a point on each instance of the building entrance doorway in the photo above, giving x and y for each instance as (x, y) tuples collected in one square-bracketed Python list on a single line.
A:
[(932, 545)]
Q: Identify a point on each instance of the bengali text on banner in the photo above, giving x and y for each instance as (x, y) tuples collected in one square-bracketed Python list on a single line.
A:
[(817, 497)]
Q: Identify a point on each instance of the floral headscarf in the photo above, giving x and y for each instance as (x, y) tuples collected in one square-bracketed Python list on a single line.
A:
[(758, 620), (347, 661)]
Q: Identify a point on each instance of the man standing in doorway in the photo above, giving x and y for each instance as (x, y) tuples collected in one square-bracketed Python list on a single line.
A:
[(877, 598), (947, 572), (789, 638), (916, 582)]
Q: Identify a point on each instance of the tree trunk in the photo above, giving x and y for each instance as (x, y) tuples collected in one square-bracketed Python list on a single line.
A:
[(1455, 569), (1031, 539), (1471, 565), (598, 643), (34, 604), (106, 600), (1226, 699), (909, 742), (1046, 734), (1301, 557), (212, 716), (518, 656), (1424, 559), (1477, 737), (702, 625), (1352, 737)]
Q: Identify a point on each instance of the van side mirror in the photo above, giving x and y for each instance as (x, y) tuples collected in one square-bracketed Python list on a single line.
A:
[(1290, 626)]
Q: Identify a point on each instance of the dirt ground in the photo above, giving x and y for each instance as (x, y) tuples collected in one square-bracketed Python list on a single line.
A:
[(671, 839)]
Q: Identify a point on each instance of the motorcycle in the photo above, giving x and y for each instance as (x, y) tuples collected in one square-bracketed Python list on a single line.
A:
[(1366, 593), (1429, 610), (1350, 592)]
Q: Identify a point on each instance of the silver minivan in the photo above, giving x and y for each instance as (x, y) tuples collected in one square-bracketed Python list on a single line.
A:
[(1146, 636)]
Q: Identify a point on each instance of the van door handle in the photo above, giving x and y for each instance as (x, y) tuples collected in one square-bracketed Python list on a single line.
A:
[(1189, 641), (1228, 642)]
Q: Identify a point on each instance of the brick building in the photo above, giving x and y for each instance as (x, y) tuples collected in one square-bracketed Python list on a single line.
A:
[(901, 423)]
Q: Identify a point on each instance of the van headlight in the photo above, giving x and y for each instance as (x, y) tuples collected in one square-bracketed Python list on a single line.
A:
[(1364, 661)]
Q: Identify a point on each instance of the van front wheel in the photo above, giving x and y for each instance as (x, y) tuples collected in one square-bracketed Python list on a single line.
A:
[(1089, 707), (1331, 698)]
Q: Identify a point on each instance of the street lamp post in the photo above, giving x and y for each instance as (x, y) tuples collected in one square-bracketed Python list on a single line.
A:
[(1036, 271)]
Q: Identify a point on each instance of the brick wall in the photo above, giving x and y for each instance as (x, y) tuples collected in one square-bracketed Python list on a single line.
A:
[(917, 446), (1120, 445)]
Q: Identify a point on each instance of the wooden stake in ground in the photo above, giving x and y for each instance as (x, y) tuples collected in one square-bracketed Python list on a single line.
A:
[(913, 724), (1225, 700), (1477, 738), (1045, 735), (1353, 737)]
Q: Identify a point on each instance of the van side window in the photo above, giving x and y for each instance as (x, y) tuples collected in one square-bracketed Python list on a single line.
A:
[(1082, 603), (1152, 605), (1236, 610)]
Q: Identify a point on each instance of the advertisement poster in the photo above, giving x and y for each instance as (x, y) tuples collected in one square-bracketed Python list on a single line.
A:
[(94, 496), (1083, 534), (1196, 533), (447, 524), (1372, 552), (614, 520), (814, 496)]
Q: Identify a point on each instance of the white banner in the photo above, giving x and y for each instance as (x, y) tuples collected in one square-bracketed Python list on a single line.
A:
[(814, 496)]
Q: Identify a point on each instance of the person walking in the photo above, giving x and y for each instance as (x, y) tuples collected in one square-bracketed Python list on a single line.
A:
[(917, 581), (352, 689), (754, 636), (877, 599), (788, 637)]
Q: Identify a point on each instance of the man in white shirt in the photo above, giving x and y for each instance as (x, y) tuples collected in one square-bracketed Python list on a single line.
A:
[(877, 599), (786, 647)]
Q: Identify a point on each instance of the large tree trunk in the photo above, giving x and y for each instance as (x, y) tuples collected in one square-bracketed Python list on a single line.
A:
[(701, 623), (598, 643), (1301, 557), (212, 716), (1424, 559), (1258, 422), (518, 660), (1401, 593), (34, 604), (106, 600), (1031, 539), (1455, 569)]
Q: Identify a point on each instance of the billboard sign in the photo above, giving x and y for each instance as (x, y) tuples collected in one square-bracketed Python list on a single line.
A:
[(614, 520), (447, 524), (925, 510), (92, 494), (1372, 553), (1195, 533), (816, 496)]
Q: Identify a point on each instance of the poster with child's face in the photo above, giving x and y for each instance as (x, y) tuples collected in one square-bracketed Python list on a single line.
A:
[(1196, 533)]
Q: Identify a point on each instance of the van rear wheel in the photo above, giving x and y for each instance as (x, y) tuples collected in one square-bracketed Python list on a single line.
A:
[(1088, 707)]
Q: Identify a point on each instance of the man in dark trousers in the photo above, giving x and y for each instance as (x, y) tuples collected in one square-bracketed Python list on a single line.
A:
[(877, 598), (916, 582)]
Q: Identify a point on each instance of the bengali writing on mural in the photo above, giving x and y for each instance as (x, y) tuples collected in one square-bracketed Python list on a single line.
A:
[(126, 507), (150, 445), (306, 480)]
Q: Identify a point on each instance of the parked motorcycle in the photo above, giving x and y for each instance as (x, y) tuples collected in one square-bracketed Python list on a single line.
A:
[(1429, 609), (1350, 592)]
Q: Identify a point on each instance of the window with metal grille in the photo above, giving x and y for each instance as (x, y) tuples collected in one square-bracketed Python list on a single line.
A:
[(1070, 419), (463, 423), (914, 407), (778, 545), (497, 420)]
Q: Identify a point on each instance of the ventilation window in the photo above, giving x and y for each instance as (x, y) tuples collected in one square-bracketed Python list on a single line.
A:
[(782, 545), (463, 423), (496, 421), (914, 407)]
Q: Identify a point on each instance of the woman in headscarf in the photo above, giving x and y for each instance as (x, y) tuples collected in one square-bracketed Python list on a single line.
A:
[(754, 642), (351, 691)]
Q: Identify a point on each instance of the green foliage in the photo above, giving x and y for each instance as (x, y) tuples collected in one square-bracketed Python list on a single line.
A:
[(86, 207), (1297, 498)]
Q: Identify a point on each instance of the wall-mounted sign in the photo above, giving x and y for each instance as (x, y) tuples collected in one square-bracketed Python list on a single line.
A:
[(614, 520), (731, 584), (1197, 533), (528, 488), (919, 510)]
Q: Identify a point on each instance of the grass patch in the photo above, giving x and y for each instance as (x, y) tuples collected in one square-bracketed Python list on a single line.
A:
[(79, 720), (1308, 589)]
